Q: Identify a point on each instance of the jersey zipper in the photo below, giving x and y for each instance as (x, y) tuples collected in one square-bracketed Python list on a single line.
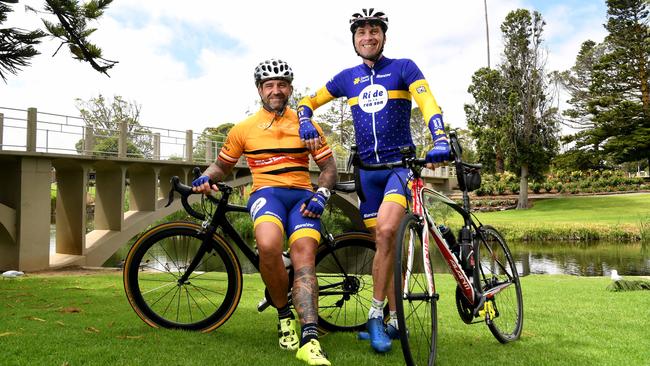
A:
[(374, 127)]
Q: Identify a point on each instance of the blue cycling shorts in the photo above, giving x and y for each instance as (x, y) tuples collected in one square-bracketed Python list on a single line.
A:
[(383, 186), (281, 206)]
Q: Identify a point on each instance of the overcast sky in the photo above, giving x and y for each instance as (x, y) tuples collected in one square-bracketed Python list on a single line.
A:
[(189, 64)]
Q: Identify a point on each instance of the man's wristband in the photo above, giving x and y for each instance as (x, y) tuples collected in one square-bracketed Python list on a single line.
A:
[(325, 192)]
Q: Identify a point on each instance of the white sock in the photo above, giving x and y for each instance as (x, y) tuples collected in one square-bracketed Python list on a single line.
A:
[(393, 319), (376, 309)]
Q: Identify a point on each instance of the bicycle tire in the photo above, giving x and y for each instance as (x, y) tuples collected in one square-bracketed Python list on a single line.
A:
[(154, 265), (497, 269), (344, 273), (416, 309)]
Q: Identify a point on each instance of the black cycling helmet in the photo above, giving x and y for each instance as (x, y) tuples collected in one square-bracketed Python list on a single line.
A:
[(369, 16), (273, 69)]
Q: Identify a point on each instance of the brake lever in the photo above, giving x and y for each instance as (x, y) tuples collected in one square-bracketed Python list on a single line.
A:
[(171, 197)]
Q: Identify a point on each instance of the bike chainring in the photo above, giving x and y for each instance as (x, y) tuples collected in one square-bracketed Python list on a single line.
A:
[(465, 309)]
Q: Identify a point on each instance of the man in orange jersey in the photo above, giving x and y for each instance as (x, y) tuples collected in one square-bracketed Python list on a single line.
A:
[(282, 202)]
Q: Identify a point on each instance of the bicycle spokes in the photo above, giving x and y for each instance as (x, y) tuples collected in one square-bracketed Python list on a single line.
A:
[(500, 286)]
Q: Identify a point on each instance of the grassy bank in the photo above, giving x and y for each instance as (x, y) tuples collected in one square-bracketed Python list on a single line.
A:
[(623, 217), (86, 320)]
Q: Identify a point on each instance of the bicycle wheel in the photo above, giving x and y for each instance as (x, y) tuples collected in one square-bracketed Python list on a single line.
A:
[(416, 308), (498, 278), (152, 273), (344, 273)]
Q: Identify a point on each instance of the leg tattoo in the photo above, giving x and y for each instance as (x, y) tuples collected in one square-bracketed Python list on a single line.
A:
[(305, 294)]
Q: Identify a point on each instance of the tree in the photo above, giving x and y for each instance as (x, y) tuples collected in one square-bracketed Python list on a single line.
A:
[(338, 120), (105, 117), (530, 123), (486, 115), (215, 134), (609, 90), (623, 74), (586, 152), (70, 27)]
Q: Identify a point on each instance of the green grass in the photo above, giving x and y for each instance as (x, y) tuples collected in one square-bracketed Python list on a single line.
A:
[(613, 217), (612, 209), (568, 321)]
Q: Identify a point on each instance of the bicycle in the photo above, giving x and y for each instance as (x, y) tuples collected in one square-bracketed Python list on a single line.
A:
[(183, 275), (488, 283)]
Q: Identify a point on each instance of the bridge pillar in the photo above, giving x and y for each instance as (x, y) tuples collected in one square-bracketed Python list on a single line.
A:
[(9, 200), (109, 196), (142, 188), (32, 215), (71, 180)]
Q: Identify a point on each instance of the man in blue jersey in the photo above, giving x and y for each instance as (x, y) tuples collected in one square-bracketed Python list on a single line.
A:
[(379, 93)]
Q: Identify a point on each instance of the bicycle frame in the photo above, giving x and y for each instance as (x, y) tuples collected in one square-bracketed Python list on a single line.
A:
[(429, 227), (217, 221)]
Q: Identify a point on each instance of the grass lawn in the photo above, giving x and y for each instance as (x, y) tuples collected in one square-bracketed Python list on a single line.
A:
[(614, 217), (618, 209), (85, 319)]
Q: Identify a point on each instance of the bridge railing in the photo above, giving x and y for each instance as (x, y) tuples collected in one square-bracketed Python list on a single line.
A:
[(34, 131)]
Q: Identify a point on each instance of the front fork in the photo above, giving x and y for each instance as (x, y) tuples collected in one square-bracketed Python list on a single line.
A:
[(207, 231)]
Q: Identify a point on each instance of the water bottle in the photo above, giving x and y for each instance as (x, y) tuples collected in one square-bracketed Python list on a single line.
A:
[(449, 238)]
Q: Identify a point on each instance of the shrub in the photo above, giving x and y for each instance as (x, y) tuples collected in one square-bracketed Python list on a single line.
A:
[(514, 188), (548, 187), (500, 188)]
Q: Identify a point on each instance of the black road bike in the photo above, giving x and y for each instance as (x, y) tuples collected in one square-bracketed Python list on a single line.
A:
[(186, 275)]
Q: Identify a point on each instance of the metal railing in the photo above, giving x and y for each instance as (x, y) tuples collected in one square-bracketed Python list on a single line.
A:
[(33, 131)]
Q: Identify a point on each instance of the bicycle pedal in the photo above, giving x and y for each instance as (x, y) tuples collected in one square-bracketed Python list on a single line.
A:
[(488, 312), (262, 305)]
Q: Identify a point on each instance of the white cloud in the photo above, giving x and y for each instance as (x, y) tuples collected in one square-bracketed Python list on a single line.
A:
[(445, 39)]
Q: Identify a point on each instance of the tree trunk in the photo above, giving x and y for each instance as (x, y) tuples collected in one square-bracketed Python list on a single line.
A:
[(499, 164), (522, 204)]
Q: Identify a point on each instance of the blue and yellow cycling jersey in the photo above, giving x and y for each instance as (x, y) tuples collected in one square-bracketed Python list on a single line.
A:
[(380, 100)]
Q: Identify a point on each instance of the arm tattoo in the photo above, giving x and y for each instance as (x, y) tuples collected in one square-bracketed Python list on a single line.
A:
[(218, 170), (327, 176), (305, 294)]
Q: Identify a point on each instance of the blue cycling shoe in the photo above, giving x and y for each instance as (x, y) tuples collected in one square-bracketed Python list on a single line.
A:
[(379, 340), (392, 332)]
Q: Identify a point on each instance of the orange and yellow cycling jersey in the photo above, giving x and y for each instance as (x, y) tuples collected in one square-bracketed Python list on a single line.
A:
[(273, 149)]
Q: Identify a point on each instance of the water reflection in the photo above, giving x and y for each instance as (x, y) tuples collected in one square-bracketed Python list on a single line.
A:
[(577, 259)]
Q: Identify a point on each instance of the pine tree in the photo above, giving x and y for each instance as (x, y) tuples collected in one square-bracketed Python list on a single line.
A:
[(622, 78), (587, 152), (70, 27)]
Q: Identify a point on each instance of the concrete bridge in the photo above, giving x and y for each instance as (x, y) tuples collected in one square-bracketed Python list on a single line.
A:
[(30, 169)]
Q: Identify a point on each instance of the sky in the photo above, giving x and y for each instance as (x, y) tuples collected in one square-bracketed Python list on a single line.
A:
[(190, 64)]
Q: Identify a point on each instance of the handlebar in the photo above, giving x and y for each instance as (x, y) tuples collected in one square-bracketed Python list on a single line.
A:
[(185, 192)]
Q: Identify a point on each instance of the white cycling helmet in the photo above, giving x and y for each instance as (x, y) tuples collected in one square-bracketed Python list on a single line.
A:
[(273, 69), (369, 16)]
